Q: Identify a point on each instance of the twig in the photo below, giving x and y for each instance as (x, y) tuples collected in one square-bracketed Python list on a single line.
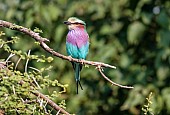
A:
[(58, 112), (36, 82), (113, 83), (1, 45), (34, 77), (13, 88), (11, 55), (3, 65), (34, 69), (16, 65), (26, 64), (50, 102)]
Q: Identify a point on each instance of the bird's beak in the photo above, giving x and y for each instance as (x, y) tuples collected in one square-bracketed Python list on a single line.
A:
[(67, 22)]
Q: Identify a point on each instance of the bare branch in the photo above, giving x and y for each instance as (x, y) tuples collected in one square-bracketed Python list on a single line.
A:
[(113, 83), (58, 112), (13, 88), (3, 65), (10, 56), (51, 103), (16, 65), (26, 64)]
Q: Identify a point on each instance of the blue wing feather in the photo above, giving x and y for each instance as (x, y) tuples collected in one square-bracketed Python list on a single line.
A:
[(75, 52)]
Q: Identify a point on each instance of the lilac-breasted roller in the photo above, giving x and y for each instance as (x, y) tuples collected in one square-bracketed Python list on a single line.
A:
[(77, 44)]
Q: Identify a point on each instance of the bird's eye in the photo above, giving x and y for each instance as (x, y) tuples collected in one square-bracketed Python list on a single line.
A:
[(76, 23)]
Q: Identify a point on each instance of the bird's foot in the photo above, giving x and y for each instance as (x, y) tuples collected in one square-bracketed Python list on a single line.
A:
[(70, 58), (82, 61)]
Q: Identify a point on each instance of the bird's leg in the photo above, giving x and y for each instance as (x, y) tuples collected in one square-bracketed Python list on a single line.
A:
[(82, 62)]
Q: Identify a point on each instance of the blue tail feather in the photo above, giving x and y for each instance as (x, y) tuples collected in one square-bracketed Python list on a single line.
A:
[(77, 67)]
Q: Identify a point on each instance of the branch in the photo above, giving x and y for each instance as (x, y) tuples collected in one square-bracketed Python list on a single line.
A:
[(42, 41), (38, 94), (113, 83), (50, 102), (3, 65)]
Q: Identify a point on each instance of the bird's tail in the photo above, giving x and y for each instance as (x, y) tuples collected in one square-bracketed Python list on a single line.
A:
[(78, 67)]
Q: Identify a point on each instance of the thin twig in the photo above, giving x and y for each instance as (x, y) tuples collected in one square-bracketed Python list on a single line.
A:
[(3, 65), (1, 45), (34, 69), (50, 102), (34, 77), (36, 82), (16, 65), (58, 112), (26, 64), (13, 88), (113, 83), (45, 106), (10, 56)]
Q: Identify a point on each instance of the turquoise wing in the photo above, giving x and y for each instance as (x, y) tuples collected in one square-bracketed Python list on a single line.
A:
[(75, 52)]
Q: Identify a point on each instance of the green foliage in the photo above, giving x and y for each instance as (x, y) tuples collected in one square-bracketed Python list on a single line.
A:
[(130, 34), (16, 92), (146, 108), (38, 30)]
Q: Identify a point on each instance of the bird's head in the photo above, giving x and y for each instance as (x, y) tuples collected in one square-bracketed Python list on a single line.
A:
[(74, 23)]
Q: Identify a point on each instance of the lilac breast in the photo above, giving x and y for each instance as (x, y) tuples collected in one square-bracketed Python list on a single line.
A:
[(77, 37)]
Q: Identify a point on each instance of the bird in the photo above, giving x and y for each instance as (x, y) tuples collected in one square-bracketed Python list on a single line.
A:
[(77, 44)]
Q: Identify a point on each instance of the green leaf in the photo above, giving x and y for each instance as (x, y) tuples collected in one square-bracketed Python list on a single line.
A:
[(135, 32)]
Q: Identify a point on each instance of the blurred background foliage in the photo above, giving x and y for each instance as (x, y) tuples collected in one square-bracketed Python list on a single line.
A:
[(133, 35)]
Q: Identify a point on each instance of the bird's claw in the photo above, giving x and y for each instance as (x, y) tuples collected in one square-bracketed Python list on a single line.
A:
[(70, 58), (81, 61)]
